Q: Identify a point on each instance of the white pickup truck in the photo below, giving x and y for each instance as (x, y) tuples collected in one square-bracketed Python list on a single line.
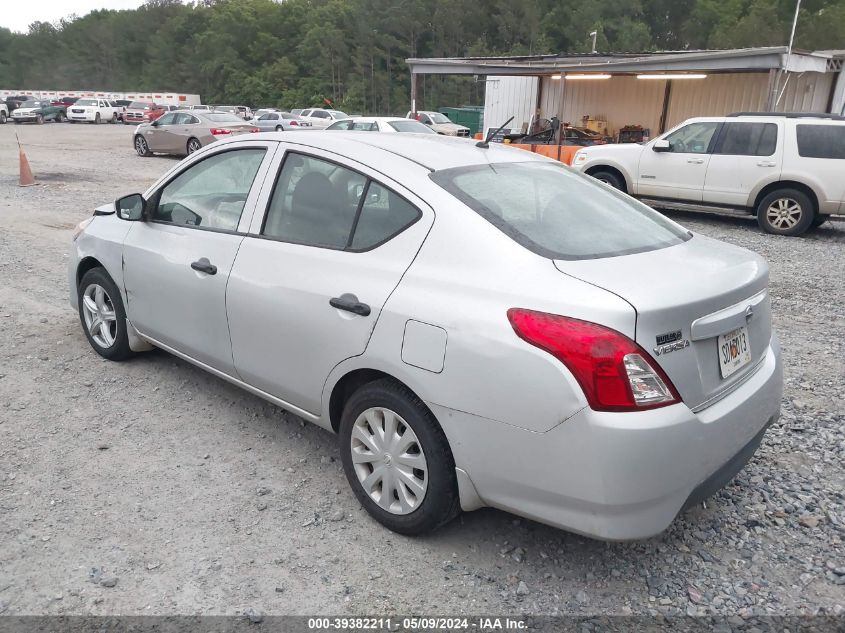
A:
[(4, 112), (93, 111)]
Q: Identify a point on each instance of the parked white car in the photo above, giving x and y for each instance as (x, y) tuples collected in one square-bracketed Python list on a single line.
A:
[(381, 124), (480, 326), (785, 169), (92, 110), (320, 118)]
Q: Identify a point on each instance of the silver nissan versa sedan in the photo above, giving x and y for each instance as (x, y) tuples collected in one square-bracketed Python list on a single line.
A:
[(479, 326)]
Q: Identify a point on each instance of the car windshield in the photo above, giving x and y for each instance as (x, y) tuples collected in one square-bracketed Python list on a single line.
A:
[(86, 102), (337, 114), (408, 125), (558, 213), (439, 118), (225, 108), (140, 105), (223, 117), (32, 104), (287, 115)]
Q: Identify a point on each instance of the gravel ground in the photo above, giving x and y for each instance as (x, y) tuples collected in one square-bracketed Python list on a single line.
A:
[(151, 487)]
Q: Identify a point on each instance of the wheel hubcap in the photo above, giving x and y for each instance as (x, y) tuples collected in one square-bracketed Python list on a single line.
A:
[(100, 318), (140, 146), (389, 461), (784, 213), (193, 146)]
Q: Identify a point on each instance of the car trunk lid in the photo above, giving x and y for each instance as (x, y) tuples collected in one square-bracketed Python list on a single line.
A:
[(686, 297)]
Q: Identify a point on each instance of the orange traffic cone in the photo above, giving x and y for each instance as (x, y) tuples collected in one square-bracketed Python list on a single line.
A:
[(25, 179)]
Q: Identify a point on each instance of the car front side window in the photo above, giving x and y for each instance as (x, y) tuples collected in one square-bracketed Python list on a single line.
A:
[(167, 119), (694, 138), (210, 194)]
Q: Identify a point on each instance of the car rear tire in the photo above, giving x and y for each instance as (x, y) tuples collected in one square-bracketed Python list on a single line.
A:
[(102, 315), (279, 128), (397, 459), (787, 212), (2, 118), (141, 146), (113, 118), (193, 145), (59, 118), (609, 178)]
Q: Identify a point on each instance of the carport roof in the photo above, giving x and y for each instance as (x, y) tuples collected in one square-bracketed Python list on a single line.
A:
[(731, 60)]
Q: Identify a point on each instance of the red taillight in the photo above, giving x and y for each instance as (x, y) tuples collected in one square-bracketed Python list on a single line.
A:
[(255, 129), (220, 131), (614, 372), (294, 124)]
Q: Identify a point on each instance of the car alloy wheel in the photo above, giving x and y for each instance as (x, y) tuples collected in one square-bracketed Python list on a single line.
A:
[(141, 146), (389, 461), (193, 145), (784, 213), (100, 315)]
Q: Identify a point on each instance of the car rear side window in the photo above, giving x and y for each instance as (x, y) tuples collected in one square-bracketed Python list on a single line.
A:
[(747, 139), (320, 203), (211, 193), (821, 141), (558, 213)]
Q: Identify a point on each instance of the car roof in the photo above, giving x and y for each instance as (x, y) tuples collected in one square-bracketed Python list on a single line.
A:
[(432, 151)]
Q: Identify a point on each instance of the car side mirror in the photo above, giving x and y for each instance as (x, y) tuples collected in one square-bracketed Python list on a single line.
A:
[(662, 146), (130, 208)]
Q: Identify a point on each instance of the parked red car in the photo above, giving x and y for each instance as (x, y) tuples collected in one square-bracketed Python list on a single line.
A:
[(143, 112)]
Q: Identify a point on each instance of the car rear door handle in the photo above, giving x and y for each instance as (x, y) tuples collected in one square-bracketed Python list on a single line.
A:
[(350, 303), (695, 161), (204, 266), (766, 163)]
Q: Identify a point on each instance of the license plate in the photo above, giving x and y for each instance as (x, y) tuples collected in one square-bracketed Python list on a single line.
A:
[(734, 351)]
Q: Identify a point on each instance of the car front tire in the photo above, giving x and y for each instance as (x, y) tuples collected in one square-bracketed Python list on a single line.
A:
[(397, 459), (609, 178), (2, 118), (787, 212), (103, 316), (141, 146)]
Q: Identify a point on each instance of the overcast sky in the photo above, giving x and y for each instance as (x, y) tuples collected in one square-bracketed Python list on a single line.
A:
[(17, 15)]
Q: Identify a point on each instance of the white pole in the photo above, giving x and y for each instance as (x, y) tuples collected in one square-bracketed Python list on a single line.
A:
[(789, 50)]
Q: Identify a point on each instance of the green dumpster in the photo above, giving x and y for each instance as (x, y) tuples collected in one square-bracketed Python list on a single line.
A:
[(469, 116)]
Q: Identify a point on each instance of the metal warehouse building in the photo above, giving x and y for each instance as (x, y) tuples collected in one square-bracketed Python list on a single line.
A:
[(653, 90)]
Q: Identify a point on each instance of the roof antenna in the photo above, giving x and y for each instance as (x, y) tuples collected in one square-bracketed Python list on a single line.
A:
[(486, 142)]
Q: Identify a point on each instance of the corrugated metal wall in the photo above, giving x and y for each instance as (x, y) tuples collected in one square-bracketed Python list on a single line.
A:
[(507, 97), (744, 92), (625, 100), (619, 101)]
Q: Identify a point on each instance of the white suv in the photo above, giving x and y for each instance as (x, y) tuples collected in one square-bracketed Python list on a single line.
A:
[(787, 169)]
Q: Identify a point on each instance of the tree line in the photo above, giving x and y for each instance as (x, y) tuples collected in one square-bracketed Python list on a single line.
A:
[(299, 53)]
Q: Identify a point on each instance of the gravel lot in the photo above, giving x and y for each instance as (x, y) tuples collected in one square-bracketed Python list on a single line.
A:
[(151, 487)]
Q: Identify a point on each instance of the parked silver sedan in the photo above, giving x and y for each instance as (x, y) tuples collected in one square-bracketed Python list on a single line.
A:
[(279, 122), (184, 132), (480, 326)]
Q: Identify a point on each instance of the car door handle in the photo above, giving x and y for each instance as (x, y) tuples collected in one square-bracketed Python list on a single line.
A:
[(350, 303), (695, 161), (766, 163), (204, 266)]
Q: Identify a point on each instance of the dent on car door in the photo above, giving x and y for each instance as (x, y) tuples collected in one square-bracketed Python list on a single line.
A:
[(680, 172), (177, 261), (310, 281)]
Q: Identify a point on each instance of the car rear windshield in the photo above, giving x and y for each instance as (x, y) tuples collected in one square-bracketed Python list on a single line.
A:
[(558, 213), (407, 125), (140, 105), (223, 117), (821, 141)]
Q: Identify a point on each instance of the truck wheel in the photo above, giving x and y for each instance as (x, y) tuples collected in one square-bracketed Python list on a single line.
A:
[(785, 212), (97, 118), (113, 118), (39, 119), (609, 178), (59, 117), (2, 118), (820, 219)]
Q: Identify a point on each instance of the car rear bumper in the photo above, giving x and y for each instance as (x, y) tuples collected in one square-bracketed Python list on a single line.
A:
[(617, 476)]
